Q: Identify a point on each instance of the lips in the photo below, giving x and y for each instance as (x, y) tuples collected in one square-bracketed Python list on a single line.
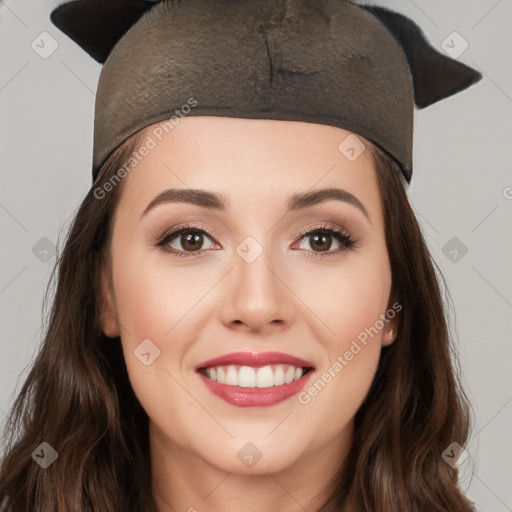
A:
[(249, 379), (256, 360)]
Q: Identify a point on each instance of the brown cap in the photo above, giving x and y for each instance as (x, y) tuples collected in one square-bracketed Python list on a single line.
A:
[(361, 68)]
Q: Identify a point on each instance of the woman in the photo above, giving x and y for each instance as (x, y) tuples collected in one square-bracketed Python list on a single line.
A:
[(246, 313)]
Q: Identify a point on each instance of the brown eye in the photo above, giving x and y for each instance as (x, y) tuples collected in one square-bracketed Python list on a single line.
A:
[(185, 240), (320, 240)]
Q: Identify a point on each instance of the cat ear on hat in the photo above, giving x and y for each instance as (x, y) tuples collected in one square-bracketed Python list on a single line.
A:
[(97, 25), (435, 76)]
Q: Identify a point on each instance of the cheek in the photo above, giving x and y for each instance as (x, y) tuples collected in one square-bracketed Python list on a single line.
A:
[(152, 296), (152, 306), (155, 304), (347, 297), (353, 300)]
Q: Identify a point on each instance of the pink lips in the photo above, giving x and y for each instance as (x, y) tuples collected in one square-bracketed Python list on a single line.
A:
[(255, 397), (256, 360)]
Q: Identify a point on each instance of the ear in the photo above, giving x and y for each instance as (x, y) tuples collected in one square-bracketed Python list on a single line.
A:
[(435, 76), (393, 315), (96, 25), (108, 321)]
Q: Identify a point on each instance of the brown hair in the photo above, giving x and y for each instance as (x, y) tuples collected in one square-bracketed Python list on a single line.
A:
[(77, 396)]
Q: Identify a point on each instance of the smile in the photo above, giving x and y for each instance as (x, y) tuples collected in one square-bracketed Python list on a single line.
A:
[(252, 379), (248, 379)]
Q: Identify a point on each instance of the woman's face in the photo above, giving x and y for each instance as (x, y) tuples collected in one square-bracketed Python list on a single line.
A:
[(247, 276)]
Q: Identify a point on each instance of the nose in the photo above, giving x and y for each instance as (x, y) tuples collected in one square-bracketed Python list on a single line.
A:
[(257, 298)]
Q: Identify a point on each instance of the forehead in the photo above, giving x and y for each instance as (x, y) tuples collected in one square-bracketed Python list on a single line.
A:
[(251, 162)]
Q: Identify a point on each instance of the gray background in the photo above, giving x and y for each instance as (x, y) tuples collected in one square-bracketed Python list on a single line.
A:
[(461, 187)]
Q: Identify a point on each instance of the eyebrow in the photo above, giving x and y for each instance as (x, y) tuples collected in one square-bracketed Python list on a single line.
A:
[(214, 201)]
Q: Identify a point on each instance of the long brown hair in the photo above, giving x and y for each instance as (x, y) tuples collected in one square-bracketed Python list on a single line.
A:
[(78, 398)]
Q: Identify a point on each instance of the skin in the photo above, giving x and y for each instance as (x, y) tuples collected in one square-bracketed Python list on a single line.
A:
[(206, 305)]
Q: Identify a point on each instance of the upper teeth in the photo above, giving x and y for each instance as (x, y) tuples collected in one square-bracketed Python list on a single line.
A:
[(249, 377)]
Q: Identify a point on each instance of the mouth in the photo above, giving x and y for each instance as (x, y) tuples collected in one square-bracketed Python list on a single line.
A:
[(255, 380)]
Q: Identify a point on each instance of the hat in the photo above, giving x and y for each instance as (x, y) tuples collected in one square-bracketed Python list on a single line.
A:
[(359, 67)]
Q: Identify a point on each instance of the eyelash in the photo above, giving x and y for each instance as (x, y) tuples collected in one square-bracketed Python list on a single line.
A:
[(347, 241)]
